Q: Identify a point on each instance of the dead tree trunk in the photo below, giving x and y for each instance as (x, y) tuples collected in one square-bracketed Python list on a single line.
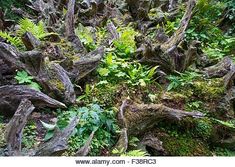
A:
[(69, 28), (14, 129)]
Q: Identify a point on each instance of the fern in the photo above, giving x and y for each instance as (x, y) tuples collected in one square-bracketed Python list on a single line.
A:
[(12, 40), (38, 30)]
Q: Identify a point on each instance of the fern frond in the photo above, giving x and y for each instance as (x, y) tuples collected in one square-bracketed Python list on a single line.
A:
[(27, 25), (13, 40)]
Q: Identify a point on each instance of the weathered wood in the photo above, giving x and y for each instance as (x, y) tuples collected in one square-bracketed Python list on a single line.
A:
[(54, 79), (85, 64), (171, 54), (230, 77), (149, 141), (139, 8), (122, 143), (113, 32), (30, 41), (11, 56), (11, 96), (14, 129), (220, 69), (179, 34), (58, 144), (69, 28)]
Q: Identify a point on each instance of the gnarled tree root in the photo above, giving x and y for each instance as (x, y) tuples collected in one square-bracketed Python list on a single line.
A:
[(14, 129)]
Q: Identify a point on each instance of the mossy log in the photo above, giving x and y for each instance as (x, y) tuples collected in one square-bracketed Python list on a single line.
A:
[(138, 119), (56, 82), (55, 78)]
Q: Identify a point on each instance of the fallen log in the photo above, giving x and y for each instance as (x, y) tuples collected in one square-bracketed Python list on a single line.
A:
[(11, 96)]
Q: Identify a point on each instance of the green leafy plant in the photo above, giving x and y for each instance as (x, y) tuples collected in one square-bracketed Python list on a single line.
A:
[(23, 78), (15, 41), (171, 26), (125, 45), (194, 105), (205, 28), (92, 118), (223, 152), (86, 37), (116, 69), (132, 153), (230, 124), (182, 79), (30, 134), (38, 30)]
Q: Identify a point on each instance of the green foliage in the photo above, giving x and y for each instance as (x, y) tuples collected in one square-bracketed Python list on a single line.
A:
[(229, 124), (38, 30), (92, 118), (116, 69), (86, 37), (204, 129), (183, 79), (223, 152), (29, 135), (171, 26), (217, 50), (195, 105), (15, 41), (205, 28), (102, 93), (23, 78), (125, 45), (6, 6), (132, 153)]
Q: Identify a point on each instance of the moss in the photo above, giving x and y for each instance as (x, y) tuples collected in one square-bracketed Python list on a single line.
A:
[(184, 145), (104, 94), (204, 128), (58, 84), (174, 96), (2, 132), (209, 89)]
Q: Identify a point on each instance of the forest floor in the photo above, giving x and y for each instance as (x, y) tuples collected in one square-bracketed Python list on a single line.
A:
[(100, 79)]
